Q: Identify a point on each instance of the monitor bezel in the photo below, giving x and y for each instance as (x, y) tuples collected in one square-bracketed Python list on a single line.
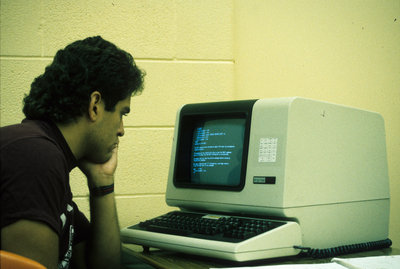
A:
[(192, 113)]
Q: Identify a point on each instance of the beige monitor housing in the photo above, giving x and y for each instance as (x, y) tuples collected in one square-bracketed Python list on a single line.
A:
[(329, 165)]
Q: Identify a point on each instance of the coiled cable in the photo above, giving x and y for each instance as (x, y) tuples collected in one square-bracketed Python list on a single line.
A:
[(346, 249)]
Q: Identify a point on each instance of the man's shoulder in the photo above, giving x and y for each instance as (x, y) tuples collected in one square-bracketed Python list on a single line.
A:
[(20, 133), (28, 142), (26, 151)]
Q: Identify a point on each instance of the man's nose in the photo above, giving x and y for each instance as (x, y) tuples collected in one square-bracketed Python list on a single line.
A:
[(121, 130)]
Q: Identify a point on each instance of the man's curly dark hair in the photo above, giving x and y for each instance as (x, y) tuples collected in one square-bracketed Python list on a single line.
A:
[(63, 92)]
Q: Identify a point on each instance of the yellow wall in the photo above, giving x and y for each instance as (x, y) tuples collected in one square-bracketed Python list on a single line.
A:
[(340, 51)]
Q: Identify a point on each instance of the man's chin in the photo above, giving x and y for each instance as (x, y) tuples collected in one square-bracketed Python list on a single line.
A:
[(102, 159)]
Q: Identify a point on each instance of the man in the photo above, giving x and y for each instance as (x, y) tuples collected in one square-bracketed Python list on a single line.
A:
[(74, 117)]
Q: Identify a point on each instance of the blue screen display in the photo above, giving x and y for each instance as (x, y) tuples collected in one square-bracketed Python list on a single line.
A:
[(217, 151)]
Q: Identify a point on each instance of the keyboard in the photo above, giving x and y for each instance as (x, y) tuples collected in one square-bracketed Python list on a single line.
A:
[(208, 226), (227, 237)]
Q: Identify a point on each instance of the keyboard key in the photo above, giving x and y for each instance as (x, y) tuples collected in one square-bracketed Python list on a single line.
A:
[(167, 230)]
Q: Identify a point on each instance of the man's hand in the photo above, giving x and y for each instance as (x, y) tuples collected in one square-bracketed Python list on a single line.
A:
[(100, 174)]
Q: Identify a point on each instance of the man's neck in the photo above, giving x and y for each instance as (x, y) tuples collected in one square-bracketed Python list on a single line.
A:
[(74, 134)]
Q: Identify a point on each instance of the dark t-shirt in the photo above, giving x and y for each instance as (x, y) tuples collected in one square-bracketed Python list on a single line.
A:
[(35, 161)]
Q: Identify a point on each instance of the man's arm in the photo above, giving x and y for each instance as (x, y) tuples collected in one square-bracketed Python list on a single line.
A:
[(103, 249), (31, 239)]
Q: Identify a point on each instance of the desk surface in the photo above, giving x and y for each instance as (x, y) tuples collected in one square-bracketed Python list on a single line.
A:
[(167, 259)]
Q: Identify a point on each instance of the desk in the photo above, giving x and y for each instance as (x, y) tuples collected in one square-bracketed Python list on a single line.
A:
[(171, 260)]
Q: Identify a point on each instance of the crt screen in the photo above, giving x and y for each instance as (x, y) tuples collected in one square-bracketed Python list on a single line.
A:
[(217, 149)]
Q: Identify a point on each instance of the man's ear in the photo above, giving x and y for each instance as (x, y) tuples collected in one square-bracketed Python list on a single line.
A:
[(95, 106)]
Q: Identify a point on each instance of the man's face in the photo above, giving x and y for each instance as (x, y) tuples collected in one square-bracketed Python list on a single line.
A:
[(104, 138)]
